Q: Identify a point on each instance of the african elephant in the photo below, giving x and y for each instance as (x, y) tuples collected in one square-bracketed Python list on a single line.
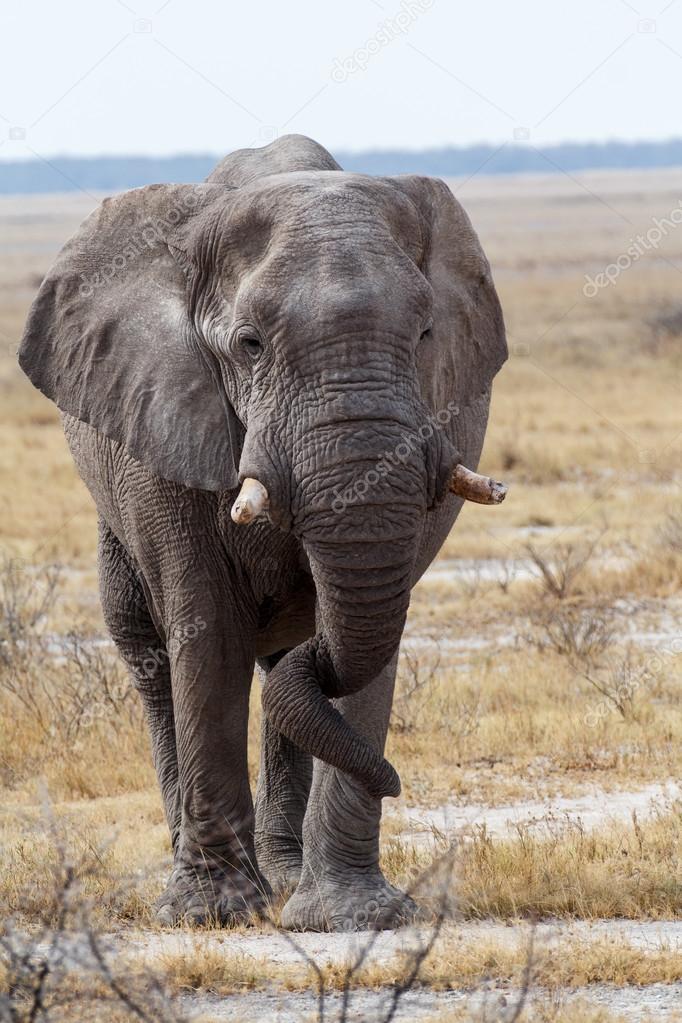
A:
[(329, 340)]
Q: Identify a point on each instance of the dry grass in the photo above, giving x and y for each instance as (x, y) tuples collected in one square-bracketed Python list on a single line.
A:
[(552, 696), (204, 968), (129, 874), (515, 723), (632, 871), (557, 868), (553, 868), (65, 701), (546, 1010), (457, 963), (462, 964), (62, 965)]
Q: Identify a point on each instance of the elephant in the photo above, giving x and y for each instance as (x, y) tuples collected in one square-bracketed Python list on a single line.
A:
[(269, 383)]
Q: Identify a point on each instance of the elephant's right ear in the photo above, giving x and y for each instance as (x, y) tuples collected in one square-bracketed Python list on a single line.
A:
[(110, 340)]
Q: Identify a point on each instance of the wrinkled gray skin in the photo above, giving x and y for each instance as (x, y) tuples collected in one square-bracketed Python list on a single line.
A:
[(293, 323)]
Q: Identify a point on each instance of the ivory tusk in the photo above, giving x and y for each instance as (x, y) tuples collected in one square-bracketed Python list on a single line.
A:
[(251, 502), (474, 487)]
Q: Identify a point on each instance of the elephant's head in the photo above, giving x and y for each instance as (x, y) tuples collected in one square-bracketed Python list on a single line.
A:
[(315, 331)]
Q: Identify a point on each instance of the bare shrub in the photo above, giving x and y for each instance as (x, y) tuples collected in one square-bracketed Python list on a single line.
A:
[(61, 971), (424, 700), (670, 533), (471, 582), (618, 682), (26, 598), (68, 686), (560, 565), (417, 672), (53, 688), (464, 718), (582, 634), (507, 575)]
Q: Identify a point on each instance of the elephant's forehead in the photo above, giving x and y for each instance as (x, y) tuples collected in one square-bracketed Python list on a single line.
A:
[(330, 202), (326, 246), (337, 284)]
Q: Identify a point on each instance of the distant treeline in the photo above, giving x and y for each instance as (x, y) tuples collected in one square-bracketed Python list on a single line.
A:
[(112, 173)]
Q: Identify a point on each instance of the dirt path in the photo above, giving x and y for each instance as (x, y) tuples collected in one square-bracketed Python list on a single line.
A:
[(425, 825), (489, 1001), (280, 949), (660, 1002)]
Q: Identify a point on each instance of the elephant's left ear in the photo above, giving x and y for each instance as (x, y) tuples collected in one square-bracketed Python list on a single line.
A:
[(468, 344), (110, 337)]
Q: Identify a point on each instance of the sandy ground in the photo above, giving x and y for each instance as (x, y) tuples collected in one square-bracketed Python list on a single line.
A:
[(281, 949), (659, 1002), (589, 811)]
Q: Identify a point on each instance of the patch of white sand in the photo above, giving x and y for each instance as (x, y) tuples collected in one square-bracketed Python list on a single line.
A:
[(587, 811), (342, 949), (656, 1001)]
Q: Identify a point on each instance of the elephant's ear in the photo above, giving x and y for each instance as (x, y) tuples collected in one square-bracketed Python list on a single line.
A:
[(468, 344), (109, 338)]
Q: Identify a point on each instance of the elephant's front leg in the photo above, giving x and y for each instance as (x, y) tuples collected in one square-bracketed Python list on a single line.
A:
[(215, 876), (342, 886), (281, 799)]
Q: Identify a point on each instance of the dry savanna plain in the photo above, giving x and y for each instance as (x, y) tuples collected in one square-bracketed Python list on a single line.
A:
[(536, 725)]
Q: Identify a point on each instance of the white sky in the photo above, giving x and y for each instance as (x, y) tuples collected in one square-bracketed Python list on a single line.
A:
[(155, 77)]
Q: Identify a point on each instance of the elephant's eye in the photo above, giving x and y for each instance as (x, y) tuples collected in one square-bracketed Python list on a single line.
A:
[(426, 333), (251, 343)]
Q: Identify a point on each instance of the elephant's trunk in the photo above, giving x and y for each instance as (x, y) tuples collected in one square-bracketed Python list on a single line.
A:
[(361, 541)]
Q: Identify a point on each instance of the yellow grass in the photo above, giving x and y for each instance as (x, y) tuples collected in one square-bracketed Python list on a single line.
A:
[(551, 1010), (556, 867), (585, 427), (553, 869), (456, 963)]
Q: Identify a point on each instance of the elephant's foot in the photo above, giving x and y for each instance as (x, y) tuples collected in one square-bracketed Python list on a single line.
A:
[(280, 858), (358, 902), (282, 872), (199, 897)]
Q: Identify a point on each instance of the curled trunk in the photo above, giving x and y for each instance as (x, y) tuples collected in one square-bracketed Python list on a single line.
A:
[(361, 554)]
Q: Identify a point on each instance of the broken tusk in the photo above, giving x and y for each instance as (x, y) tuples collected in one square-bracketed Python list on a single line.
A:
[(474, 487), (251, 502)]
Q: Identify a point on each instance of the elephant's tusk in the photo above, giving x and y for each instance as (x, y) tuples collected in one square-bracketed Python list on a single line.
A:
[(252, 501), (474, 487)]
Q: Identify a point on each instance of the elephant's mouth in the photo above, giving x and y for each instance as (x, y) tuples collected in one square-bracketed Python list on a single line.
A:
[(298, 691)]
